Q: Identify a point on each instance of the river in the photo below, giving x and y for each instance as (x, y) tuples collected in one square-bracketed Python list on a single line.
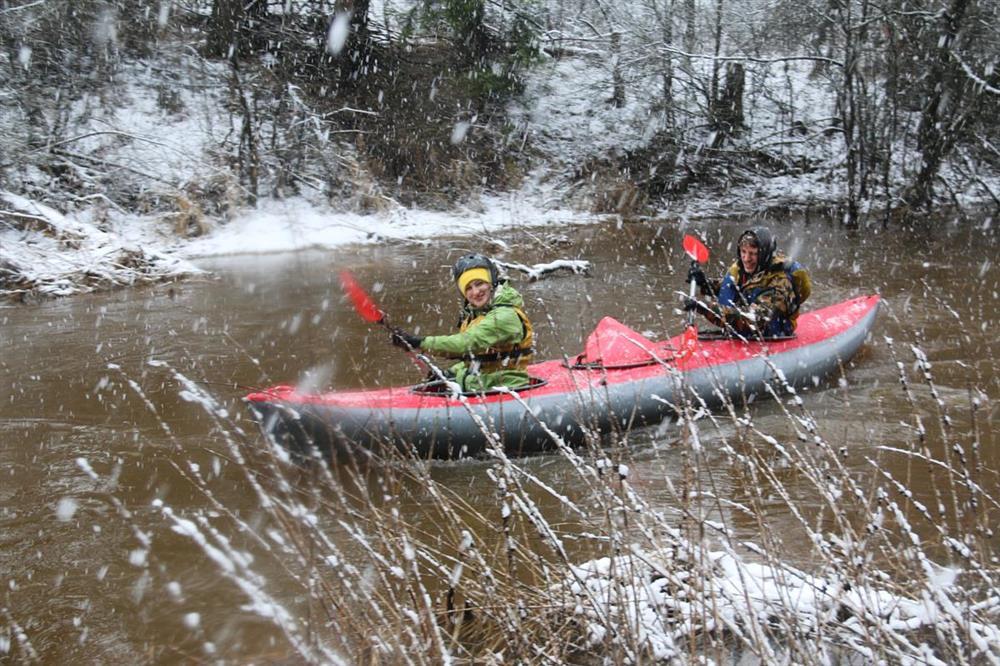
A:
[(95, 424)]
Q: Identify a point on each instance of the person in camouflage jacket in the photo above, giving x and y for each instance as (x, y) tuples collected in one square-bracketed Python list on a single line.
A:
[(755, 297)]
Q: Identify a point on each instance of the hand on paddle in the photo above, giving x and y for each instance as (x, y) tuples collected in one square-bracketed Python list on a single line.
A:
[(694, 305), (696, 275), (698, 253), (404, 339)]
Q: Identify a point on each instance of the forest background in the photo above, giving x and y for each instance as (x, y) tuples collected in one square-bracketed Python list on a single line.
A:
[(129, 127)]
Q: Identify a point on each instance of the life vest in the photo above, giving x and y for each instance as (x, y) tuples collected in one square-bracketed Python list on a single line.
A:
[(510, 356), (735, 291)]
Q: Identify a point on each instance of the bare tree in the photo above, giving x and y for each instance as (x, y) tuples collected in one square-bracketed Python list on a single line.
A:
[(726, 109), (690, 25), (849, 102), (618, 81), (235, 28), (358, 56), (943, 115), (664, 13)]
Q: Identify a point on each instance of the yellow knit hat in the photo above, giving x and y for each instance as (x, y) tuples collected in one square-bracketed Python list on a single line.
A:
[(472, 274)]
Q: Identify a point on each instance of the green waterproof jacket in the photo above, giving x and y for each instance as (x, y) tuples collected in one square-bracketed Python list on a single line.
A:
[(495, 326)]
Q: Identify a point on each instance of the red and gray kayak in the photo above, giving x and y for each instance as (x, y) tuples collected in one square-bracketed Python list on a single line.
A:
[(621, 380)]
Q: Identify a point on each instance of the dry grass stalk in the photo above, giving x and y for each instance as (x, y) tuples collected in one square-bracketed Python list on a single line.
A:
[(392, 566)]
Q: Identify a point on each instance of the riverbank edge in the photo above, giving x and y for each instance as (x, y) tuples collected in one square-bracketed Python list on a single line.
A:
[(68, 255)]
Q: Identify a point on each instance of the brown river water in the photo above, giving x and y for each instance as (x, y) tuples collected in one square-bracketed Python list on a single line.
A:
[(92, 414)]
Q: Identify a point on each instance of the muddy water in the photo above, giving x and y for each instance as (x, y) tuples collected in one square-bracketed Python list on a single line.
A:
[(95, 421)]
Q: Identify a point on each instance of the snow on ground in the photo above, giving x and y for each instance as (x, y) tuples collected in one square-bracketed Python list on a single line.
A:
[(570, 119), (666, 603), (147, 142), (59, 256), (164, 123), (295, 224), (155, 140), (569, 116), (73, 255)]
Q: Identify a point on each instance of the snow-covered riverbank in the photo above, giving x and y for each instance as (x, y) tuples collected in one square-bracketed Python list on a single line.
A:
[(159, 156), (48, 254)]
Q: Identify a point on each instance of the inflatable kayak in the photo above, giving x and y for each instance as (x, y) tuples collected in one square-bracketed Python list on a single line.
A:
[(620, 381)]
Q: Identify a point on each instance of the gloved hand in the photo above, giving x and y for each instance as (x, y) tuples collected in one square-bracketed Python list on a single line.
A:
[(693, 305), (404, 339), (433, 376), (698, 276)]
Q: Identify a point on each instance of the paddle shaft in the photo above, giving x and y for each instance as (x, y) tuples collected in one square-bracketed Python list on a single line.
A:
[(691, 295), (373, 314), (418, 359)]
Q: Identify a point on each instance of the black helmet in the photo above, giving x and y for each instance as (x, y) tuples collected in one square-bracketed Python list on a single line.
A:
[(473, 261), (765, 242)]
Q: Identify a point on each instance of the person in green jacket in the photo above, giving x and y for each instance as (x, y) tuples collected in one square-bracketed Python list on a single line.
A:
[(495, 335)]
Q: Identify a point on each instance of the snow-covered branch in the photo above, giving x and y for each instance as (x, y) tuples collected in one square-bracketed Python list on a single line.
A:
[(979, 81), (672, 50), (538, 271), (27, 5)]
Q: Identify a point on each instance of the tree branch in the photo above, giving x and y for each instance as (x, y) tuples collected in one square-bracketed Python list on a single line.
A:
[(983, 85), (764, 61), (10, 10)]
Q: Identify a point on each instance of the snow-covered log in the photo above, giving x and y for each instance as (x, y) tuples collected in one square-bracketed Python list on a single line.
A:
[(23, 213), (538, 271)]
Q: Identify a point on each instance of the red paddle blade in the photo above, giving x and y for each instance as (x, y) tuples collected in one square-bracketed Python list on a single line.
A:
[(362, 302), (695, 249)]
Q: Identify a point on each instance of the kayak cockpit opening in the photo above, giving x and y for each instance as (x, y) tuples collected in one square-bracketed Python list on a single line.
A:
[(441, 388), (580, 363), (719, 334)]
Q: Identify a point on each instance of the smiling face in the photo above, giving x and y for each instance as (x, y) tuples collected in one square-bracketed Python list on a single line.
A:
[(749, 255), (478, 293)]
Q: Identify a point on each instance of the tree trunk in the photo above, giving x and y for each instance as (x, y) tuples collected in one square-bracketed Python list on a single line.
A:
[(892, 122), (941, 119), (665, 18), (690, 26), (727, 110), (618, 81), (713, 93), (249, 153), (850, 108), (234, 28), (467, 21), (356, 58), (223, 27)]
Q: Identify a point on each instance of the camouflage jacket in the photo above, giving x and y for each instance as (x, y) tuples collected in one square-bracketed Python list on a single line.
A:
[(757, 304)]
